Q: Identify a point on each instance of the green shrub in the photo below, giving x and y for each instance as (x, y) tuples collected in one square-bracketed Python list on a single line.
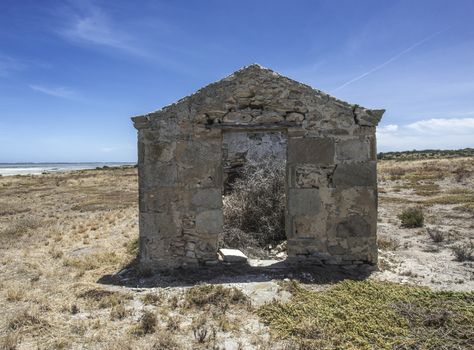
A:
[(464, 252), (412, 217), (367, 315)]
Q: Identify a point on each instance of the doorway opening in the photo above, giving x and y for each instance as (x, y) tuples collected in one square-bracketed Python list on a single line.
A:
[(254, 193)]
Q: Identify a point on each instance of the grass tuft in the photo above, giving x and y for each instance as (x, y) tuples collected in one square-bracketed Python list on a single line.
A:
[(146, 324), (457, 198), (436, 235), (152, 299), (212, 295), (412, 217), (464, 252), (104, 298), (166, 341), (26, 321), (19, 227), (9, 341)]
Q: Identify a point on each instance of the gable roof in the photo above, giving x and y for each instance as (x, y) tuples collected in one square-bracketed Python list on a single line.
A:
[(252, 74)]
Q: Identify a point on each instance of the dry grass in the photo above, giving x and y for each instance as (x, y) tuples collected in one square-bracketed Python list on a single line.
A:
[(9, 341), (152, 299), (16, 292), (26, 321), (61, 233), (459, 169), (426, 189), (19, 227), (146, 324), (166, 341), (459, 198), (102, 298), (387, 243), (468, 207), (436, 235), (208, 295), (94, 261), (47, 249)]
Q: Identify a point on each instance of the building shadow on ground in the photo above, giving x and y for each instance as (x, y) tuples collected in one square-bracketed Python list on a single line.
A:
[(136, 277)]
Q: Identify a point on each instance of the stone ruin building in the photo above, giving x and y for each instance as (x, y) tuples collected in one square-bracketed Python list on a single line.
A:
[(331, 183)]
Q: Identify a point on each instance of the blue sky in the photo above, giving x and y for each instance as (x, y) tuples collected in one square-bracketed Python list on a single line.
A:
[(72, 73)]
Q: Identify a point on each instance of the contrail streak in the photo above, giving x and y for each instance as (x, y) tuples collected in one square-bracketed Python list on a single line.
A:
[(389, 60)]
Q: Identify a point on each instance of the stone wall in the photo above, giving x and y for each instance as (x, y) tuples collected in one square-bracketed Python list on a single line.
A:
[(331, 170)]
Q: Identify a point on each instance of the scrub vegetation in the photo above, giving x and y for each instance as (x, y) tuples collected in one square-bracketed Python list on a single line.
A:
[(374, 315), (62, 235)]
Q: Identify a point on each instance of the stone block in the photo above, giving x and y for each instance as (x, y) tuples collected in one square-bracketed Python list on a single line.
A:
[(311, 176), (355, 174), (310, 226), (268, 117), (368, 117), (160, 151), (232, 255), (202, 175), (207, 198), (362, 200), (237, 118), (303, 201), (307, 247), (314, 150), (294, 117), (356, 149), (158, 174), (209, 221), (353, 226), (198, 152), (338, 250), (159, 225), (157, 199), (207, 249)]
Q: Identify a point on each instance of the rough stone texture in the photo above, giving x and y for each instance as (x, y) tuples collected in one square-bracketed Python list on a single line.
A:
[(311, 150), (186, 149), (355, 174)]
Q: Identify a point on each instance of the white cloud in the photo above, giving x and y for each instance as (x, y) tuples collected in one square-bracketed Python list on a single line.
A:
[(441, 133), (59, 91), (98, 29), (9, 64), (441, 126), (390, 128)]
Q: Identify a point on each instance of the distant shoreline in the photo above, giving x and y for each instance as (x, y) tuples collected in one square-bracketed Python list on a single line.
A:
[(426, 154), (12, 169)]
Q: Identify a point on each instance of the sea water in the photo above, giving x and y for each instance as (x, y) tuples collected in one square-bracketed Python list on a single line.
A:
[(7, 169)]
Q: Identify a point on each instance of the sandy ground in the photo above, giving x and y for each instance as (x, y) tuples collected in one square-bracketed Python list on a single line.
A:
[(67, 243), (413, 256)]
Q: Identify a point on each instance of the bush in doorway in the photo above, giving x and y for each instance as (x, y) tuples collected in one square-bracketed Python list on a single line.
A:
[(255, 208)]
